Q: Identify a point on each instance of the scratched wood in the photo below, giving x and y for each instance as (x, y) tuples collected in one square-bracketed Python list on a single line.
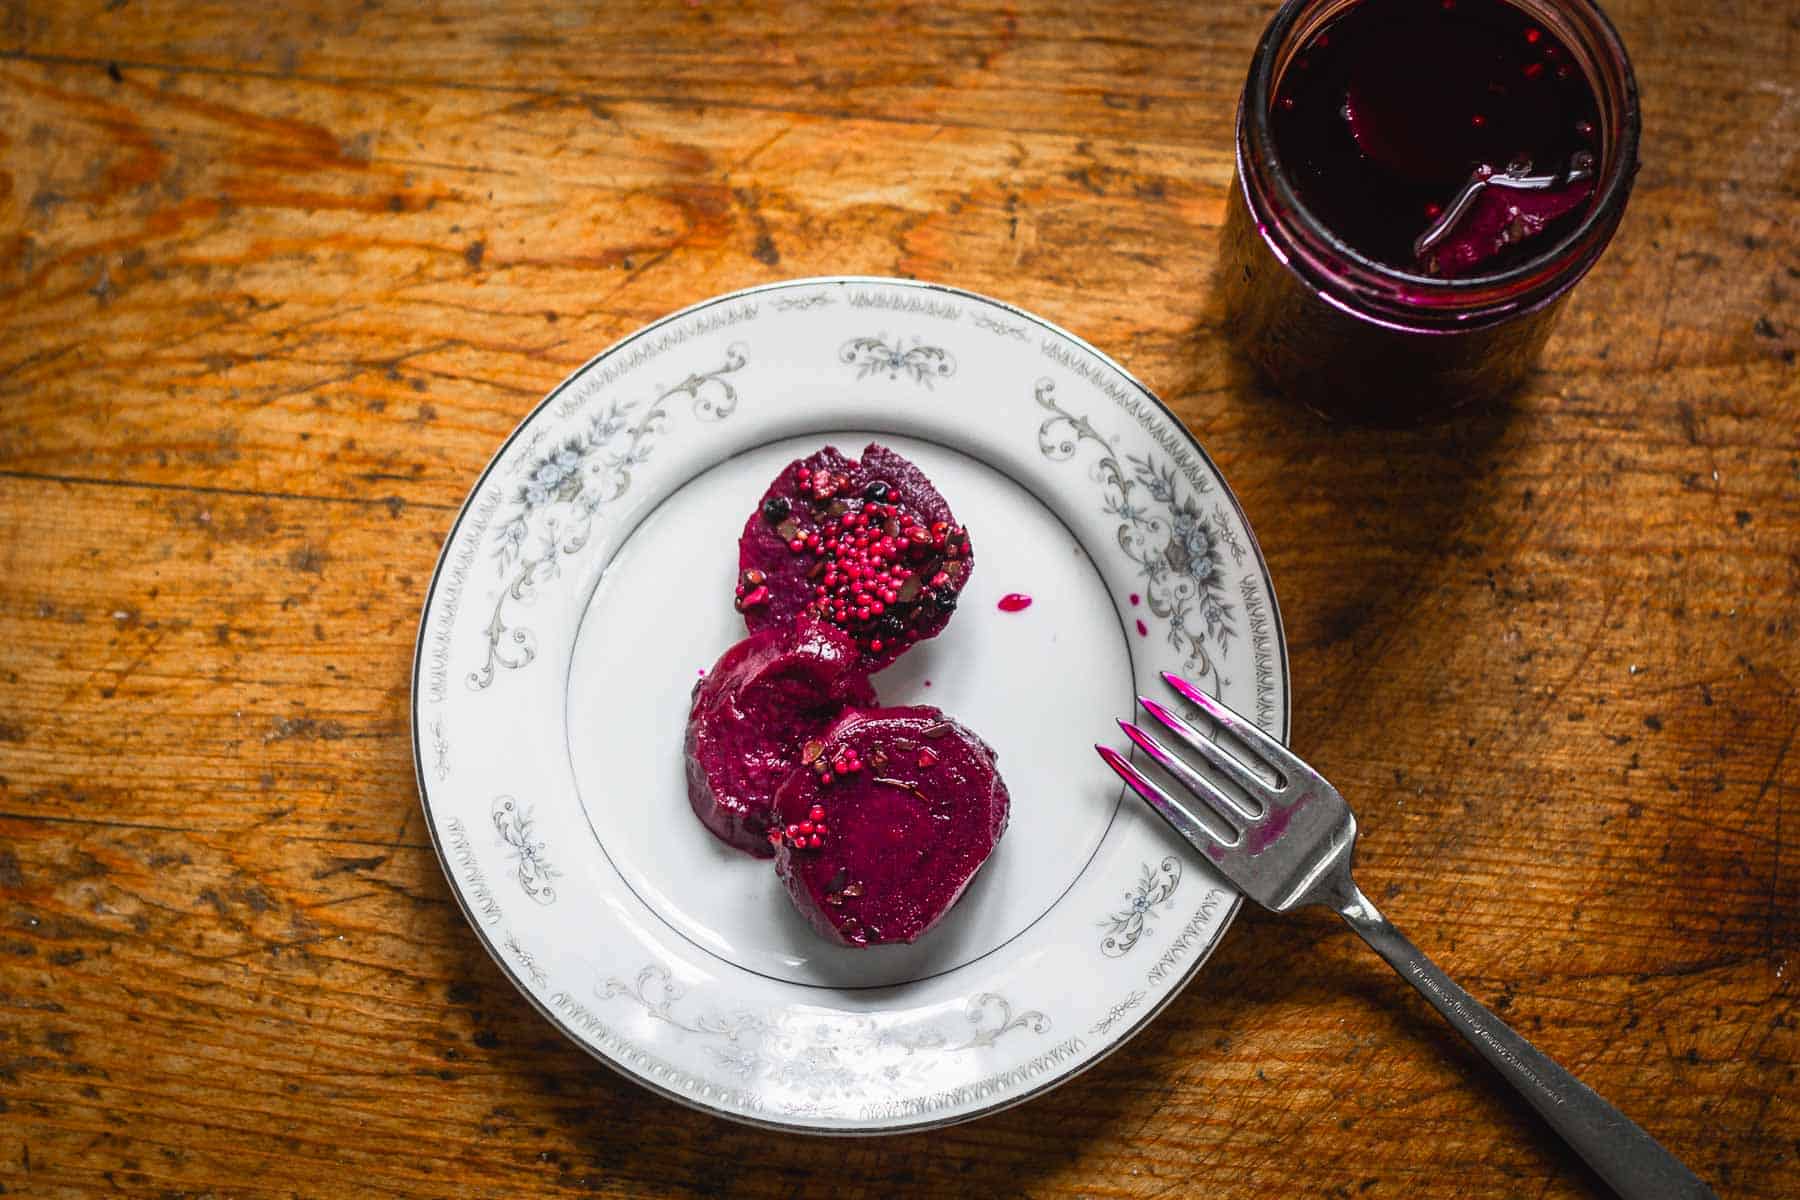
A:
[(273, 285)]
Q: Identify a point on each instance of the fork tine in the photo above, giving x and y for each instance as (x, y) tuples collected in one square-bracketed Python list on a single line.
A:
[(1195, 827), (1231, 809), (1284, 761), (1213, 753)]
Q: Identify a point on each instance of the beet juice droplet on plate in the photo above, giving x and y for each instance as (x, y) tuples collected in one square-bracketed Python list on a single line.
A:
[(1445, 140), (1014, 602)]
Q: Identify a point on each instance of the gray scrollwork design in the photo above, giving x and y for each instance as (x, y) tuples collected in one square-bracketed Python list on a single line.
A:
[(1126, 926), (873, 355), (531, 865), (1179, 549), (566, 488)]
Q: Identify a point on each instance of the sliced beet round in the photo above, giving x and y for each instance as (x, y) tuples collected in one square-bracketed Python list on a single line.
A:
[(869, 546), (1498, 218), (764, 699), (889, 817)]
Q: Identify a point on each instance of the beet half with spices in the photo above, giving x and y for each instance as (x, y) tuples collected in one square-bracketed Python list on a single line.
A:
[(869, 546), (888, 818), (761, 703)]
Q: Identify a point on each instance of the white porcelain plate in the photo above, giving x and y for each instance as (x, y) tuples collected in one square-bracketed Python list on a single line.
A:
[(588, 582)]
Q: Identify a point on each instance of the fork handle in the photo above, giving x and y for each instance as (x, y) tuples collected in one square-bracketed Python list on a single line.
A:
[(1618, 1149)]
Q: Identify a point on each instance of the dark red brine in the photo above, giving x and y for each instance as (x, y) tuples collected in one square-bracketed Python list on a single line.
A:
[(1398, 110)]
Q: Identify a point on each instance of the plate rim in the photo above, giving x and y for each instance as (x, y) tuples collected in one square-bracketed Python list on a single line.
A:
[(889, 1128)]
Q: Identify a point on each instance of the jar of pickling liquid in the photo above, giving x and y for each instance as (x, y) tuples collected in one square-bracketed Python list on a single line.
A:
[(1419, 184)]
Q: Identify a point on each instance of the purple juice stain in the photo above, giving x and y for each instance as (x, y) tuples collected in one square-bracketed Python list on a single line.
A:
[(1134, 599), (1143, 629), (1401, 111), (1014, 602), (1262, 836)]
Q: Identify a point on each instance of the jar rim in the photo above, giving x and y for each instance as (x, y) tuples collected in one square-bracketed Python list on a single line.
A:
[(1535, 281)]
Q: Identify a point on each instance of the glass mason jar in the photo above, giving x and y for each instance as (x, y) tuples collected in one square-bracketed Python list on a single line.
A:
[(1361, 340)]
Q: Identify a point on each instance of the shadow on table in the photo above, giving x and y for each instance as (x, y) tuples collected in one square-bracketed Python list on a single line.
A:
[(1276, 969), (1359, 524), (1367, 532)]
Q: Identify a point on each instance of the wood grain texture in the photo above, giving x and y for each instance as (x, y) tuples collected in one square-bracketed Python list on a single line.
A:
[(274, 284)]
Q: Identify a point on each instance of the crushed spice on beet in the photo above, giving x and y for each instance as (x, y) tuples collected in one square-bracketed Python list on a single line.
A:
[(869, 546)]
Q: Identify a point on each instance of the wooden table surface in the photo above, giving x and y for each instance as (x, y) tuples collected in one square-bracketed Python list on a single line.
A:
[(275, 280)]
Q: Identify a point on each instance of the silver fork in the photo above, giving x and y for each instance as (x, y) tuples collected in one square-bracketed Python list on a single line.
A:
[(1292, 844)]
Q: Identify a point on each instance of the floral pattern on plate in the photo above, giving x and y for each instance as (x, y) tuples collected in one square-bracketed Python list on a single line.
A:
[(547, 530)]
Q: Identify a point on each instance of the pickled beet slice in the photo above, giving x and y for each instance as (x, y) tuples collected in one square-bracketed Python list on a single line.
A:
[(1497, 219), (869, 546), (889, 817), (764, 699)]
